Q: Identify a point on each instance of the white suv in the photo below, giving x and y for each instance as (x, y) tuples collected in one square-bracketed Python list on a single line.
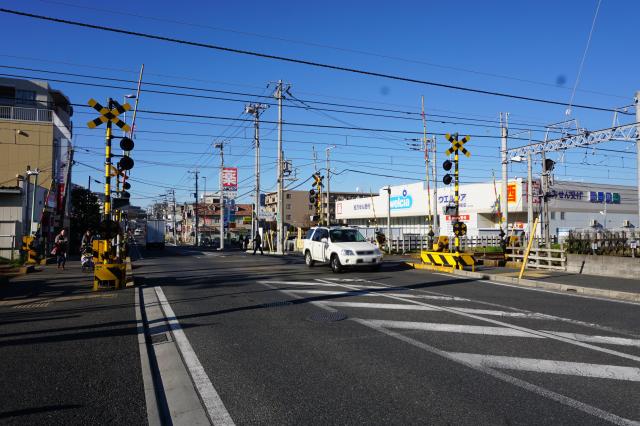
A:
[(341, 247)]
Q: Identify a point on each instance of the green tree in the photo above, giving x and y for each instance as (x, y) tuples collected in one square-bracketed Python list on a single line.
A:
[(85, 214)]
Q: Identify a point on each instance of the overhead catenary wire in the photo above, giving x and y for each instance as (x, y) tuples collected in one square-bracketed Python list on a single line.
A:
[(293, 60)]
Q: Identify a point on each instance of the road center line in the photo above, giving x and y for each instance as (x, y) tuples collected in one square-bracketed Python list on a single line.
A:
[(209, 396)]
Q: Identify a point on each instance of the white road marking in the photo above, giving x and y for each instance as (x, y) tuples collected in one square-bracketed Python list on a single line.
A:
[(601, 371), (500, 331), (516, 327), (538, 390), (398, 306), (452, 328), (422, 308), (314, 284), (209, 396), (363, 292)]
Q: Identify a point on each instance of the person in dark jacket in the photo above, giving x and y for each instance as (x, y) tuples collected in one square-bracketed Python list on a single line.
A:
[(257, 243), (61, 246)]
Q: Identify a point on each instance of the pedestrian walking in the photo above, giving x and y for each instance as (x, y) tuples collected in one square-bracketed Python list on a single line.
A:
[(60, 247), (246, 242), (257, 244)]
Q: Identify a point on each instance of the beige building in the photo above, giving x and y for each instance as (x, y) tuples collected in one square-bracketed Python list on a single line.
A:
[(298, 210), (35, 136)]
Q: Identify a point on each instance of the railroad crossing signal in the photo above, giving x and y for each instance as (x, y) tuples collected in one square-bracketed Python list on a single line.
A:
[(109, 115), (459, 229), (457, 144)]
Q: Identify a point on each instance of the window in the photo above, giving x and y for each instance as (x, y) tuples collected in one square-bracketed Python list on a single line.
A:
[(308, 234), (288, 206), (288, 196), (288, 217), (561, 215), (310, 207), (553, 215), (320, 234), (7, 95), (25, 97), (346, 236)]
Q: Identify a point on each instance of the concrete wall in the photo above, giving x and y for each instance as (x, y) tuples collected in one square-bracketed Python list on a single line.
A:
[(32, 147), (607, 266)]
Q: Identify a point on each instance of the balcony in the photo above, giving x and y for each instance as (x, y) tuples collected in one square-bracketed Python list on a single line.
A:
[(8, 112)]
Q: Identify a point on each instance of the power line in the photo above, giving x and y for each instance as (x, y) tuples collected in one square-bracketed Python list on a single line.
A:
[(292, 60)]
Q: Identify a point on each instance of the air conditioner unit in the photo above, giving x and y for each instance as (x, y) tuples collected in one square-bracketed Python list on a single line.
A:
[(626, 224), (593, 223)]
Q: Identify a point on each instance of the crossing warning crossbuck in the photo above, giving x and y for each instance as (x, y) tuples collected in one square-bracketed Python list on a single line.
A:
[(107, 114)]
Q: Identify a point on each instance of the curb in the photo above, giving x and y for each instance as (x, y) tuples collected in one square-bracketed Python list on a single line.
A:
[(563, 288), (130, 281)]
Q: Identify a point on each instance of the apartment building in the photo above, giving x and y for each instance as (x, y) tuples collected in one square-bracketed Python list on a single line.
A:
[(35, 160)]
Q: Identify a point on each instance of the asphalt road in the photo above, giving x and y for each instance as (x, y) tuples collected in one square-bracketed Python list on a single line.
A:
[(285, 344)]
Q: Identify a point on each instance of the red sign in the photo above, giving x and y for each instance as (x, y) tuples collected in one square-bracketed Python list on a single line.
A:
[(230, 178), (511, 193), (461, 218)]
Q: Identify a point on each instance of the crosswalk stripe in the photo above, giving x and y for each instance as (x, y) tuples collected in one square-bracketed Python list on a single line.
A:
[(453, 328), (317, 284), (602, 371), (407, 307), (398, 306), (408, 296), (499, 331)]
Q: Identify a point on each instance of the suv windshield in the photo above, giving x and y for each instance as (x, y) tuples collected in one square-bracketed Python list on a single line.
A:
[(346, 236)]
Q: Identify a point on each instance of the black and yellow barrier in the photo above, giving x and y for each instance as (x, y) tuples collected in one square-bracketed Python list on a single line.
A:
[(109, 276), (450, 260)]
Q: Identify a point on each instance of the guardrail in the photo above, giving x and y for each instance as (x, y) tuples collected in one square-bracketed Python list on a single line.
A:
[(11, 248), (540, 258)]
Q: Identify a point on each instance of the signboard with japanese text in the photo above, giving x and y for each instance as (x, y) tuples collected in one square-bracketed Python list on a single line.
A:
[(230, 178)]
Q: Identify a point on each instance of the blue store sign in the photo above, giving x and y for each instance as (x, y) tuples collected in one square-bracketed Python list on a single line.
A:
[(399, 202)]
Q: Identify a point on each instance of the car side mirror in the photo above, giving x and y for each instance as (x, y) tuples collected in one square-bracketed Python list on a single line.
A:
[(324, 240)]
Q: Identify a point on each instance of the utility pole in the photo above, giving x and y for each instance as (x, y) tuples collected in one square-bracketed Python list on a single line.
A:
[(280, 219), (529, 196), (434, 199), (388, 189), (637, 101), (329, 185), (504, 202), (255, 110), (173, 215), (196, 205), (545, 199), (220, 145)]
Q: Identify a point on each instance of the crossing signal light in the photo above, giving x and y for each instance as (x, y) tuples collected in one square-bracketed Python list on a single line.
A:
[(125, 163), (126, 185), (312, 196), (447, 179), (460, 229), (549, 164), (126, 144)]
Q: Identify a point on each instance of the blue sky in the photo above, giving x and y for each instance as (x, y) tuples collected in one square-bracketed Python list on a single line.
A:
[(530, 49)]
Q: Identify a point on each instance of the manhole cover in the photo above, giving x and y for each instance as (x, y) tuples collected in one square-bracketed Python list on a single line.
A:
[(325, 316), (277, 304)]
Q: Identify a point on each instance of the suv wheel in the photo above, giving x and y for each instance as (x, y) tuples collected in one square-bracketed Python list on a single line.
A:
[(336, 266), (308, 259)]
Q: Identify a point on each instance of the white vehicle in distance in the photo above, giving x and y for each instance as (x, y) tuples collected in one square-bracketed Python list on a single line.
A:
[(341, 247)]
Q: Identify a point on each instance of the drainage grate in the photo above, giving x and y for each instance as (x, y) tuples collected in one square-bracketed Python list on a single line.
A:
[(159, 338), (277, 304), (328, 316)]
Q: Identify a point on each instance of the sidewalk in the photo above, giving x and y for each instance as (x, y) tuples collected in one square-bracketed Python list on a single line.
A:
[(69, 355), (588, 285)]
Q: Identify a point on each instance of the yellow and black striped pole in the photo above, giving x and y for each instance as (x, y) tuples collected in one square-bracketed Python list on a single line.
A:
[(107, 170), (456, 188)]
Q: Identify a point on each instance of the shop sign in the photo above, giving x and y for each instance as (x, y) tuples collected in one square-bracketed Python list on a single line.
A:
[(461, 218), (404, 201), (601, 197)]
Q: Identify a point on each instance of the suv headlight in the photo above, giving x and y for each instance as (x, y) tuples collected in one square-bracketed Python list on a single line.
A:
[(347, 253)]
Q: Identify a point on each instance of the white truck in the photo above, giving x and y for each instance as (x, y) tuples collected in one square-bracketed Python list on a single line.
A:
[(341, 247), (156, 229)]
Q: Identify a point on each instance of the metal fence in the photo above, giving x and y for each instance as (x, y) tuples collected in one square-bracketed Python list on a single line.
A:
[(611, 242), (8, 112)]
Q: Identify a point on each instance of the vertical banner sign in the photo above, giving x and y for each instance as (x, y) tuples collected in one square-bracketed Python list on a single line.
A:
[(230, 178)]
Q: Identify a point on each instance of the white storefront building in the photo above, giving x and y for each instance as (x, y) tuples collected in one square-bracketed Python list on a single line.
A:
[(574, 205)]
